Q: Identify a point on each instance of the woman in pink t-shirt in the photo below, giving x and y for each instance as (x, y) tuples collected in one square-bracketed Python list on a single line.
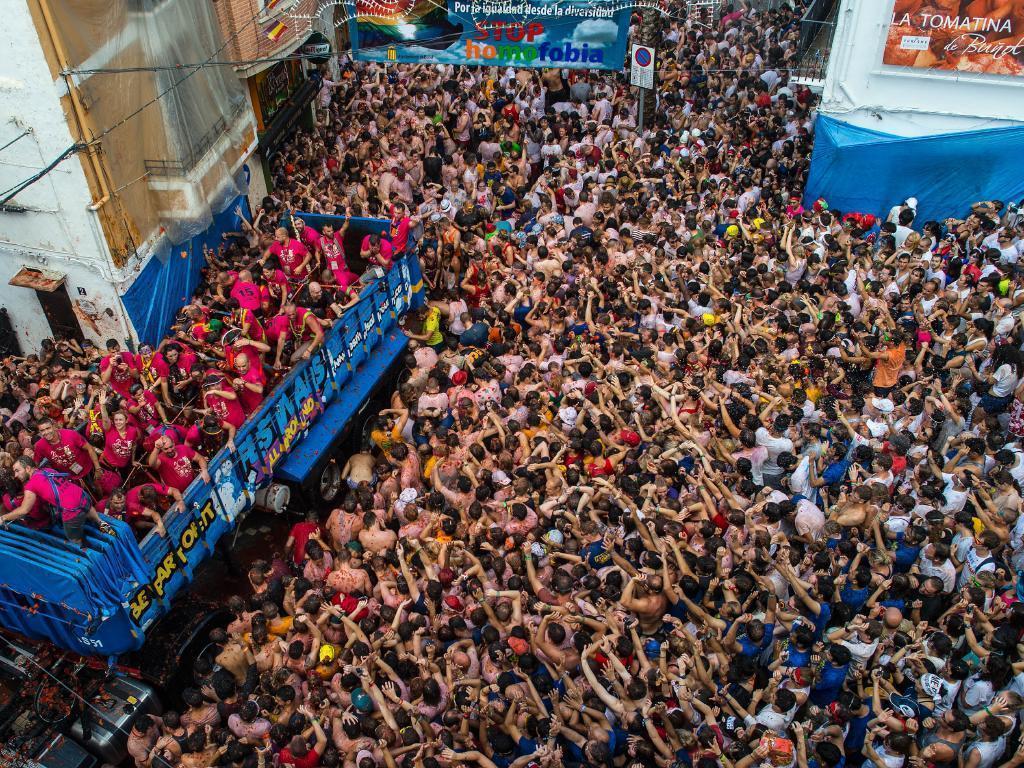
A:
[(120, 439)]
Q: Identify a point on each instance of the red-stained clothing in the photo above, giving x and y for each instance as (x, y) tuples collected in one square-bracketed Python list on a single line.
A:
[(251, 400), (291, 327), (246, 318), (334, 252), (231, 354), (399, 235), (310, 237), (69, 455), (291, 254), (151, 368), (387, 252), (176, 433), (230, 411), (177, 469), (120, 379), (147, 416), (119, 449)]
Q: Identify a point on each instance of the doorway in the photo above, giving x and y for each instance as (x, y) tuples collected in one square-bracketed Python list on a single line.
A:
[(60, 314)]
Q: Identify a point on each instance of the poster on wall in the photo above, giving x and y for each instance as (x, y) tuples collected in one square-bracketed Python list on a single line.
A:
[(576, 34), (981, 36)]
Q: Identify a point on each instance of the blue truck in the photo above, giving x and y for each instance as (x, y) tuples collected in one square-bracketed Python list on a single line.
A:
[(102, 601)]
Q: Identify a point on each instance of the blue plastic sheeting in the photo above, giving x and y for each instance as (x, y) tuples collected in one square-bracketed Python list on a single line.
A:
[(857, 169), (351, 398), (168, 280)]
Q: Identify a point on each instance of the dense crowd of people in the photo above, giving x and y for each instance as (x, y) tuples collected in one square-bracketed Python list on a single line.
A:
[(681, 471)]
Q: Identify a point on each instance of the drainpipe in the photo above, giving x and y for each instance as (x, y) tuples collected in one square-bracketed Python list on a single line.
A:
[(76, 103)]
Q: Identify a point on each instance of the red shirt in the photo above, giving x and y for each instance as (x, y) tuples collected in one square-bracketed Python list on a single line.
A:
[(176, 469), (134, 506), (310, 760), (151, 369), (301, 533), (69, 455), (147, 414)]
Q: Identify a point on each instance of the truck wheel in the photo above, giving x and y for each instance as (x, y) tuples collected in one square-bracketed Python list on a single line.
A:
[(325, 486)]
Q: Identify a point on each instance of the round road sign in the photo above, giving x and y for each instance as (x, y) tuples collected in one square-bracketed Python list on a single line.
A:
[(642, 57)]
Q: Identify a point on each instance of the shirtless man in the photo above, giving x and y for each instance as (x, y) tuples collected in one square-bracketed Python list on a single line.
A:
[(234, 656), (373, 537), (359, 469), (347, 579), (645, 596), (855, 511)]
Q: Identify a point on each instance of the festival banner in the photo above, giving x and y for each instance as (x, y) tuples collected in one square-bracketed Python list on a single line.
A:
[(575, 34), (981, 36)]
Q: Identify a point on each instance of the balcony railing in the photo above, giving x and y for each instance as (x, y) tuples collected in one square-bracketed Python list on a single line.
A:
[(817, 29)]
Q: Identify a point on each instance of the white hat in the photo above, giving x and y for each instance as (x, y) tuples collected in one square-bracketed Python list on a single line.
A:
[(568, 416), (695, 133), (684, 136), (408, 495), (882, 404), (912, 202), (446, 205)]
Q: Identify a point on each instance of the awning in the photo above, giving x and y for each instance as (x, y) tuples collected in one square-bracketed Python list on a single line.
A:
[(45, 280)]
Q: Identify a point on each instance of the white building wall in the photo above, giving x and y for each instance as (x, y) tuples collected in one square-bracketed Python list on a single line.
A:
[(860, 90), (58, 232)]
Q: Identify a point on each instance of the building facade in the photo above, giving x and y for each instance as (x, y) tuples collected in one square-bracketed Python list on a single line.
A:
[(114, 159)]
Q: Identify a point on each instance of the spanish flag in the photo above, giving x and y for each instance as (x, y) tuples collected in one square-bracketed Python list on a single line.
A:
[(270, 4), (275, 30)]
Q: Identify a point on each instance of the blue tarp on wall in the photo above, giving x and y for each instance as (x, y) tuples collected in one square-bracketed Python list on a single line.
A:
[(857, 169), (167, 282)]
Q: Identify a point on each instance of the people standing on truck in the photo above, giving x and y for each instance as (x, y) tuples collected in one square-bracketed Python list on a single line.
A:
[(68, 501), (68, 452), (177, 465)]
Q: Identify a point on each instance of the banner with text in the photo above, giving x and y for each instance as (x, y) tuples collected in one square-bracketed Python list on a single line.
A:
[(576, 34), (979, 36)]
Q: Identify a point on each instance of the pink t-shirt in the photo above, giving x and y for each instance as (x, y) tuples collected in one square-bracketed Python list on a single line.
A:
[(120, 380), (291, 254), (248, 294), (118, 449), (230, 411), (73, 500), (176, 469), (251, 400), (69, 455)]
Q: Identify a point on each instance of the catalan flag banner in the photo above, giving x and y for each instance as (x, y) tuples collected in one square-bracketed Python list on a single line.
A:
[(580, 34), (275, 30)]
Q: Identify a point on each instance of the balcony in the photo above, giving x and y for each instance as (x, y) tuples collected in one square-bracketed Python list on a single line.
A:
[(817, 30)]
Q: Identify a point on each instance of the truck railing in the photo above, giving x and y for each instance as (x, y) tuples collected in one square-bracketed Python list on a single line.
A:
[(102, 600)]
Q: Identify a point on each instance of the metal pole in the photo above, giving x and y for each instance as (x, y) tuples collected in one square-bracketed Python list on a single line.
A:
[(641, 116)]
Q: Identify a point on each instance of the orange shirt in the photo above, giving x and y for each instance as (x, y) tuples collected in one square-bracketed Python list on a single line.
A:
[(887, 368)]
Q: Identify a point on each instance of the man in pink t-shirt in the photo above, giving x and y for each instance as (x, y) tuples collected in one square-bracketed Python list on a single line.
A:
[(249, 383), (245, 291), (176, 464), (293, 255), (118, 369), (377, 251), (65, 450), (65, 497)]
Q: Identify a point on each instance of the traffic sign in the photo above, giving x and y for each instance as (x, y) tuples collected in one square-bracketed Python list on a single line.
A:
[(641, 66)]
